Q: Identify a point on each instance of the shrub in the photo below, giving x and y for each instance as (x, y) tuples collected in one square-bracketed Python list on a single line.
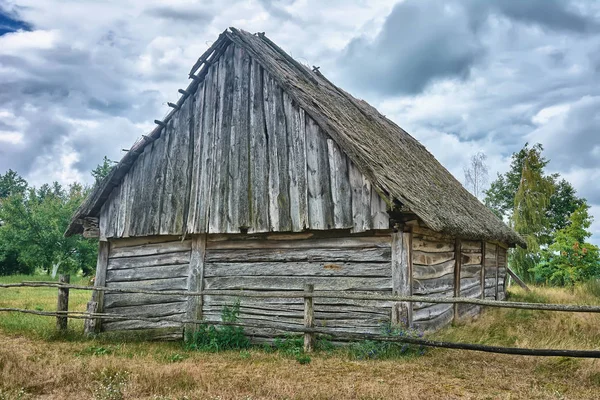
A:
[(226, 337), (379, 349)]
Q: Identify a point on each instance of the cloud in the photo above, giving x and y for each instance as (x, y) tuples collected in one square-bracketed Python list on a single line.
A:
[(185, 14), (10, 23)]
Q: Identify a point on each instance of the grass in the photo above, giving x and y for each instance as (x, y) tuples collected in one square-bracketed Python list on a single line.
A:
[(33, 366)]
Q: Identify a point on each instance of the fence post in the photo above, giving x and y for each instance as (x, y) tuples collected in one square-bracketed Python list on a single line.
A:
[(63, 302), (309, 318)]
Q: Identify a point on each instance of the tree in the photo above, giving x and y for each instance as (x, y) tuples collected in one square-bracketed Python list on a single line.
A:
[(102, 170), (569, 259), (476, 174), (11, 183), (34, 223), (500, 197), (529, 217)]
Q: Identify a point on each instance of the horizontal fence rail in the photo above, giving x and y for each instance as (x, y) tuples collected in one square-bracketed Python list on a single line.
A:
[(308, 329), (344, 337), (325, 294)]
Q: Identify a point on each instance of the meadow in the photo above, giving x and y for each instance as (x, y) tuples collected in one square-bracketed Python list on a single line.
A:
[(37, 362)]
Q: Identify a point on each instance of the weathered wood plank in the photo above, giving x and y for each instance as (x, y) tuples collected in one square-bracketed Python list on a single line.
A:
[(181, 257), (112, 300), (143, 273), (277, 144), (259, 155), (402, 276), (296, 283), (356, 242), (430, 246), (320, 203), (423, 258), (150, 249), (307, 269), (341, 192), (432, 271), (208, 156), (219, 207), (239, 213), (135, 325), (369, 255), (361, 200), (152, 284), (380, 219), (157, 175), (163, 309), (295, 126), (436, 323), (169, 196), (194, 304), (428, 286), (195, 208), (100, 281), (429, 313)]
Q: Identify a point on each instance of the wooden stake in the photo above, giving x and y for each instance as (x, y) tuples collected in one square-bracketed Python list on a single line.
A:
[(457, 266), (309, 318), (63, 302)]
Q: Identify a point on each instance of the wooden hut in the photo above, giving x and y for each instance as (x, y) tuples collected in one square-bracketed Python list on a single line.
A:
[(266, 176)]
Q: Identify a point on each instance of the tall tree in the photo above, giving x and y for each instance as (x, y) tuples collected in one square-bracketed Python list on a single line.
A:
[(11, 183), (529, 217), (500, 197), (570, 259), (476, 174), (34, 223), (102, 170)]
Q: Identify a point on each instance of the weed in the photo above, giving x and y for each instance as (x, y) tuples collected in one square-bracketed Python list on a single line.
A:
[(375, 349), (228, 337), (176, 357), (290, 345), (303, 359), (95, 351), (245, 355), (110, 384), (20, 394), (592, 287)]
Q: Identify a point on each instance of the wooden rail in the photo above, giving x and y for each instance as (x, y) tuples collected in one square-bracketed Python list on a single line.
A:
[(326, 294), (344, 337)]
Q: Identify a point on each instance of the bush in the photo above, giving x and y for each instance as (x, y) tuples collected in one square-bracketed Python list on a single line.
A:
[(10, 264), (226, 337), (378, 349)]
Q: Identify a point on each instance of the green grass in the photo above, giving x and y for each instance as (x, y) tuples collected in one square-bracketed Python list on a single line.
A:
[(39, 299)]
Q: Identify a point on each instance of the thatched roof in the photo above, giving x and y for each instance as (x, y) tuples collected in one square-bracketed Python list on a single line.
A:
[(396, 163)]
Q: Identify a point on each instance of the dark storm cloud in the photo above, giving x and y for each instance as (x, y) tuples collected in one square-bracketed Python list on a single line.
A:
[(552, 14), (419, 41), (186, 14), (426, 40)]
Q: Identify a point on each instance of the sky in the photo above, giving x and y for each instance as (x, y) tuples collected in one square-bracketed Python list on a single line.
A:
[(83, 79)]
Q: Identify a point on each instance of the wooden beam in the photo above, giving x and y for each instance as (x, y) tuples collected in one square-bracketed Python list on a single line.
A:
[(517, 279), (457, 266), (402, 277), (195, 284), (63, 303), (100, 281), (483, 246), (496, 280), (309, 318)]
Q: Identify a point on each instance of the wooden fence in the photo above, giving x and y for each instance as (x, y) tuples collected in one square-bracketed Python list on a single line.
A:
[(308, 330)]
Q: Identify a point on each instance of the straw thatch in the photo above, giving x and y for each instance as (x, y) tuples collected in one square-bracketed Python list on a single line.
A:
[(396, 164)]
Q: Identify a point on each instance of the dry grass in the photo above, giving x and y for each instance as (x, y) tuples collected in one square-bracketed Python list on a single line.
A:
[(78, 368)]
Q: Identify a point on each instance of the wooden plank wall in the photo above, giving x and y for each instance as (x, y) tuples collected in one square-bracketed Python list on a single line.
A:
[(470, 276), (156, 263), (491, 271), (286, 262), (502, 256), (433, 275), (241, 154)]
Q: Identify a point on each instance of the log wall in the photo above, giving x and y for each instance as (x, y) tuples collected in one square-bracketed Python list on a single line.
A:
[(433, 275), (160, 263), (334, 261), (357, 264), (241, 155)]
